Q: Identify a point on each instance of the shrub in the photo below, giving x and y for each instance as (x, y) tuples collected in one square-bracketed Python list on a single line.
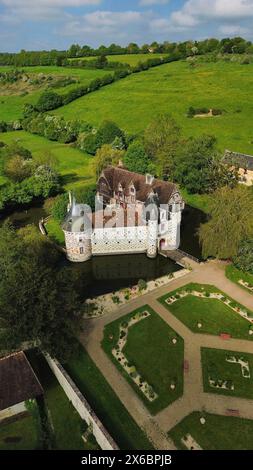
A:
[(3, 126), (119, 74), (49, 100), (142, 284), (191, 112), (90, 144), (59, 207), (107, 133), (217, 112), (75, 94)]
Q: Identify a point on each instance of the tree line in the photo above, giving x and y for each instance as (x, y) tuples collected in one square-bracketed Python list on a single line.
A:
[(236, 45)]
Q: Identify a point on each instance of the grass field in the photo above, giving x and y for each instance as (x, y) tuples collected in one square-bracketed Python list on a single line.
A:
[(199, 201), (134, 101), (235, 275), (218, 433), (214, 316), (21, 434), (214, 365), (106, 404), (130, 59), (74, 166), (55, 231), (61, 411), (11, 107), (150, 349)]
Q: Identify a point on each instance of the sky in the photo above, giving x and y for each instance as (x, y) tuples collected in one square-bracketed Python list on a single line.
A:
[(49, 24)]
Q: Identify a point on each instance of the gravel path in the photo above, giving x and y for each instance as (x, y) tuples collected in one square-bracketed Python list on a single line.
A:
[(193, 399)]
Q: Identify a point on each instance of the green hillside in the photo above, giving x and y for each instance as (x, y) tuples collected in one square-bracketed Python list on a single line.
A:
[(11, 106), (134, 101)]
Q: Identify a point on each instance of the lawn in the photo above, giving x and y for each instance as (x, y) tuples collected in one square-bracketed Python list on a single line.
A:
[(55, 231), (11, 107), (199, 201), (106, 404), (74, 166), (216, 367), (150, 350), (134, 101), (61, 411), (235, 275), (130, 59), (218, 433), (21, 434), (214, 316)]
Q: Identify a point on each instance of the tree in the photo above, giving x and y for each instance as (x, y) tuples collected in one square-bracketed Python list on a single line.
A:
[(59, 206), (17, 169), (136, 158), (107, 133), (106, 156), (244, 258), (161, 140), (87, 195), (230, 222), (47, 158), (49, 100), (198, 166), (38, 301), (88, 143)]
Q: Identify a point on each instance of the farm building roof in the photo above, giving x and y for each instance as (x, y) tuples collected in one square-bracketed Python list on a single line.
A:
[(238, 159), (18, 381)]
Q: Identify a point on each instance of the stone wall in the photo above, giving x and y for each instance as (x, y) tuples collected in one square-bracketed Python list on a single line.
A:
[(102, 436), (13, 411)]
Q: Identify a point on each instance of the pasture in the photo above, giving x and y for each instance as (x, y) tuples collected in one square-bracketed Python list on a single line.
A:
[(130, 59), (134, 101), (11, 107)]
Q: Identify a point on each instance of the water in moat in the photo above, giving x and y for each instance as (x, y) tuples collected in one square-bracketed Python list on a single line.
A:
[(108, 273)]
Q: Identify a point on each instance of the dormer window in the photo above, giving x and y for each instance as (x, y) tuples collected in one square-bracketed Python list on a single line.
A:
[(132, 190), (149, 179)]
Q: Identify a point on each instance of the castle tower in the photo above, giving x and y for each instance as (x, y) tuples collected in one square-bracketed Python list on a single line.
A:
[(152, 236), (174, 227), (77, 229)]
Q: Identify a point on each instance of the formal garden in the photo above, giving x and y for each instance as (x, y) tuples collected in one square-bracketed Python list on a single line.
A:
[(227, 372), (242, 278), (205, 309), (210, 432), (149, 354)]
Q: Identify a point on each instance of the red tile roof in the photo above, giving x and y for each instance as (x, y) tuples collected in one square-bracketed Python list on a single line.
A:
[(118, 175)]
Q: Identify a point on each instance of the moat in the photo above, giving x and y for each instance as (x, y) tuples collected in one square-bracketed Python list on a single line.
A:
[(108, 273)]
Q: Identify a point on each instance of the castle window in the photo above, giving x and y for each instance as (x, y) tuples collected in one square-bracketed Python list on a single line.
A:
[(81, 250)]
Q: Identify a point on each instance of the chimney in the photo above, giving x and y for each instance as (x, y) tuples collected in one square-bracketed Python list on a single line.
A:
[(120, 164), (149, 179)]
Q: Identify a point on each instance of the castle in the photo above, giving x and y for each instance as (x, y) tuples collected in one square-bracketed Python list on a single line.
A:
[(134, 214)]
